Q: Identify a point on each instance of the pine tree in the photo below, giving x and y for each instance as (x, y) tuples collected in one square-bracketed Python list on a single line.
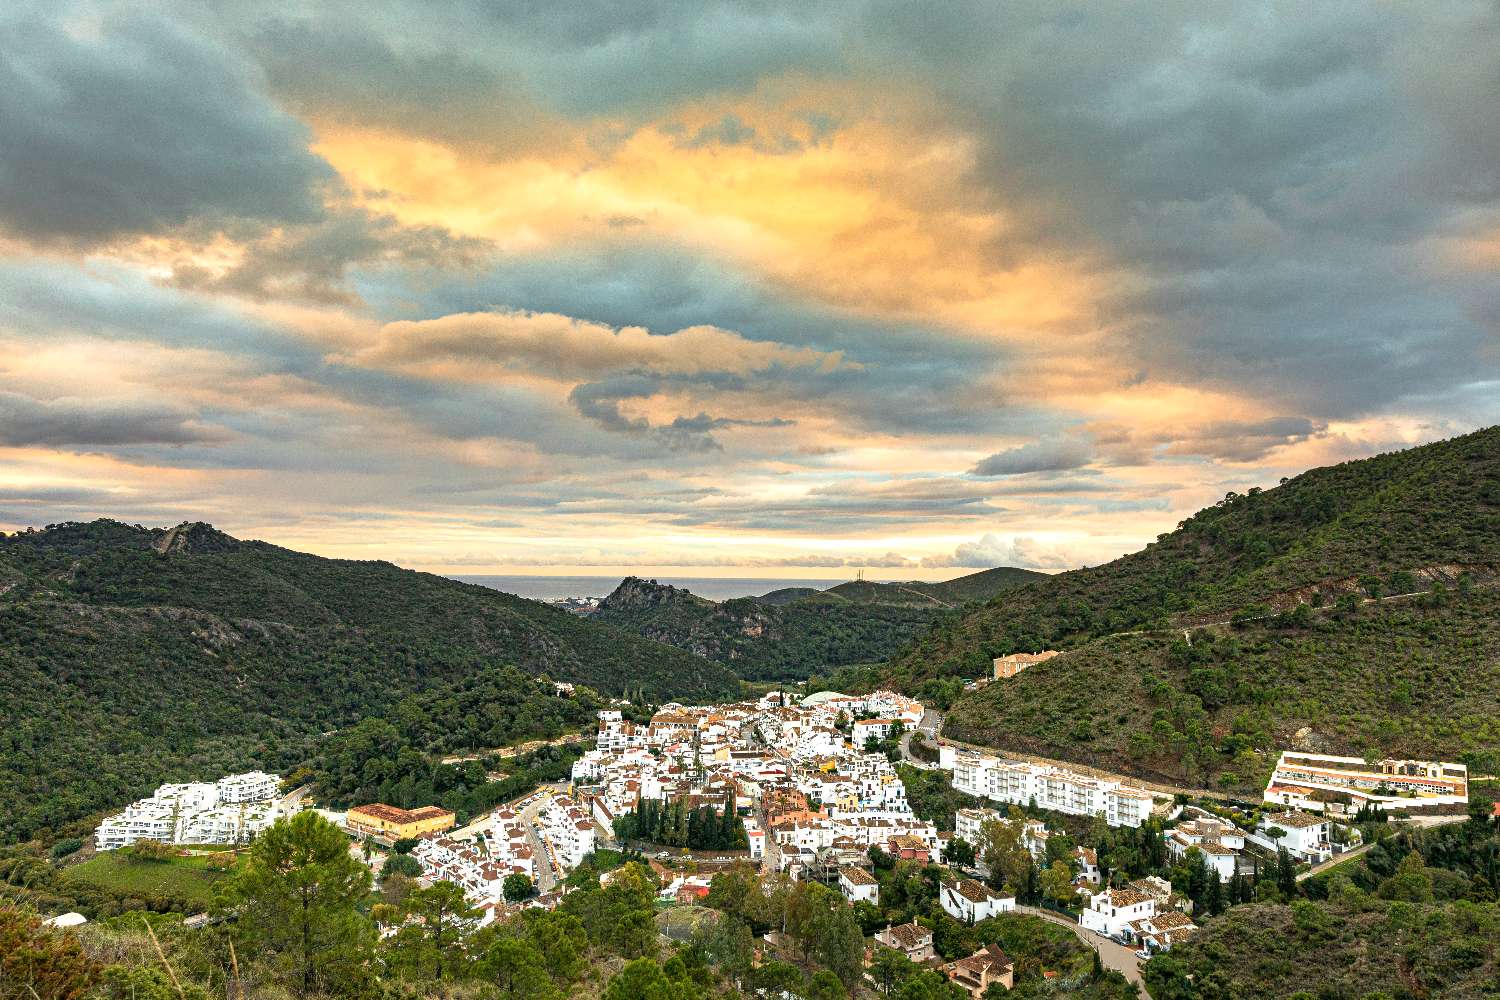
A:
[(297, 897)]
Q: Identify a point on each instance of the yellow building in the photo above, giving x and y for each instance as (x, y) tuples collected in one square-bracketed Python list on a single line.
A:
[(1009, 666), (387, 823)]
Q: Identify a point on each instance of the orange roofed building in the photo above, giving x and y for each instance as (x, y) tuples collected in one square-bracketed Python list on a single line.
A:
[(387, 823)]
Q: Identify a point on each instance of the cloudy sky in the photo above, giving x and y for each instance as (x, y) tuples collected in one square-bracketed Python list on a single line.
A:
[(747, 288)]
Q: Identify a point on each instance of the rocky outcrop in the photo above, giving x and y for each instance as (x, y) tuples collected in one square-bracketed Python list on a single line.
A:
[(194, 537)]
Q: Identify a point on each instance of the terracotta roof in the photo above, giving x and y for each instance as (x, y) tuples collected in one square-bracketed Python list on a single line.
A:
[(391, 814), (858, 876), (1295, 820), (909, 935), (1126, 897), (1171, 920)]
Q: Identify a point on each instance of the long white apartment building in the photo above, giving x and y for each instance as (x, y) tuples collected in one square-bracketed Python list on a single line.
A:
[(232, 810), (1326, 783), (1054, 788)]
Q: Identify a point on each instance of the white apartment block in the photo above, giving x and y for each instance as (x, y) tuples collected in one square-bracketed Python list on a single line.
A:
[(865, 730), (569, 830), (232, 810), (968, 824), (1052, 788), (1325, 783)]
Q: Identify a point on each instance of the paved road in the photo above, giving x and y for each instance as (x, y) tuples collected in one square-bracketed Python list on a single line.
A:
[(1114, 955), (932, 722), (1334, 861), (1416, 821)]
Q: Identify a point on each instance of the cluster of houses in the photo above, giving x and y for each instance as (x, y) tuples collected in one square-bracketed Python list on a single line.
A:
[(1049, 787), (568, 832), (1145, 912), (975, 974), (232, 810), (796, 771)]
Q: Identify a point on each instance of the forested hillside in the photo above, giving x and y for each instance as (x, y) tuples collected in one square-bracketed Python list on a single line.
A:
[(794, 632), (1406, 516), (129, 656), (1409, 677), (1299, 631)]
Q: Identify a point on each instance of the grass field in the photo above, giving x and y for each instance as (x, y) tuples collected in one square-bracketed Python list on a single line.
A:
[(188, 878)]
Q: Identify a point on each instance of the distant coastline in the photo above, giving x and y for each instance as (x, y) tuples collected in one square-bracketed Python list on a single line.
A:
[(555, 588)]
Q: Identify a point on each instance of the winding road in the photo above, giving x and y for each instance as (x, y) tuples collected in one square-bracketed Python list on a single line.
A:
[(1114, 955)]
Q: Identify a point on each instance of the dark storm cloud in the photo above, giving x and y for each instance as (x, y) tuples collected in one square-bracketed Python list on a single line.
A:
[(69, 421), (139, 130)]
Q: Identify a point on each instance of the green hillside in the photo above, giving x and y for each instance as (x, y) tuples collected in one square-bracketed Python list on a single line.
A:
[(794, 632), (1428, 511), (1409, 677), (1321, 652), (130, 656)]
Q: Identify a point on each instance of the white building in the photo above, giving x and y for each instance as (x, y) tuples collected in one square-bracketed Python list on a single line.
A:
[(865, 730), (971, 901), (1218, 841), (1325, 783), (569, 830), (224, 812), (858, 885), (1305, 836), (968, 824), (1052, 788), (1111, 912)]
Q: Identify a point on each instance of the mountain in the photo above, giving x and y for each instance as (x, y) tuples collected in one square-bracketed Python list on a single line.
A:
[(129, 655), (794, 632), (1429, 511), (1351, 608)]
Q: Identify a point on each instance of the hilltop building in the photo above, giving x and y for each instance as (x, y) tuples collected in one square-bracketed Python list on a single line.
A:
[(1341, 785), (1009, 666)]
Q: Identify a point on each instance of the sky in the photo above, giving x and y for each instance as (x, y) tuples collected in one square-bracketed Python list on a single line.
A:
[(744, 289)]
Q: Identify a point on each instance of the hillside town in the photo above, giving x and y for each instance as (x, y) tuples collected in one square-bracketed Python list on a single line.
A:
[(809, 790)]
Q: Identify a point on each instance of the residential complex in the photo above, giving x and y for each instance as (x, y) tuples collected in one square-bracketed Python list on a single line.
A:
[(232, 810), (1341, 785), (1055, 788), (797, 773)]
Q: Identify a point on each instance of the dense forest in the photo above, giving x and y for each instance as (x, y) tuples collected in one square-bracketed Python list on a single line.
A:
[(795, 632), (131, 656)]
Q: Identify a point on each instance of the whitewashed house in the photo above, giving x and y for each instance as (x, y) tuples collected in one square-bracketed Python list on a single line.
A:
[(1110, 912), (858, 885), (971, 901)]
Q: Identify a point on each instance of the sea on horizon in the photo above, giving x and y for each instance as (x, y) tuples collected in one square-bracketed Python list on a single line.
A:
[(555, 588)]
